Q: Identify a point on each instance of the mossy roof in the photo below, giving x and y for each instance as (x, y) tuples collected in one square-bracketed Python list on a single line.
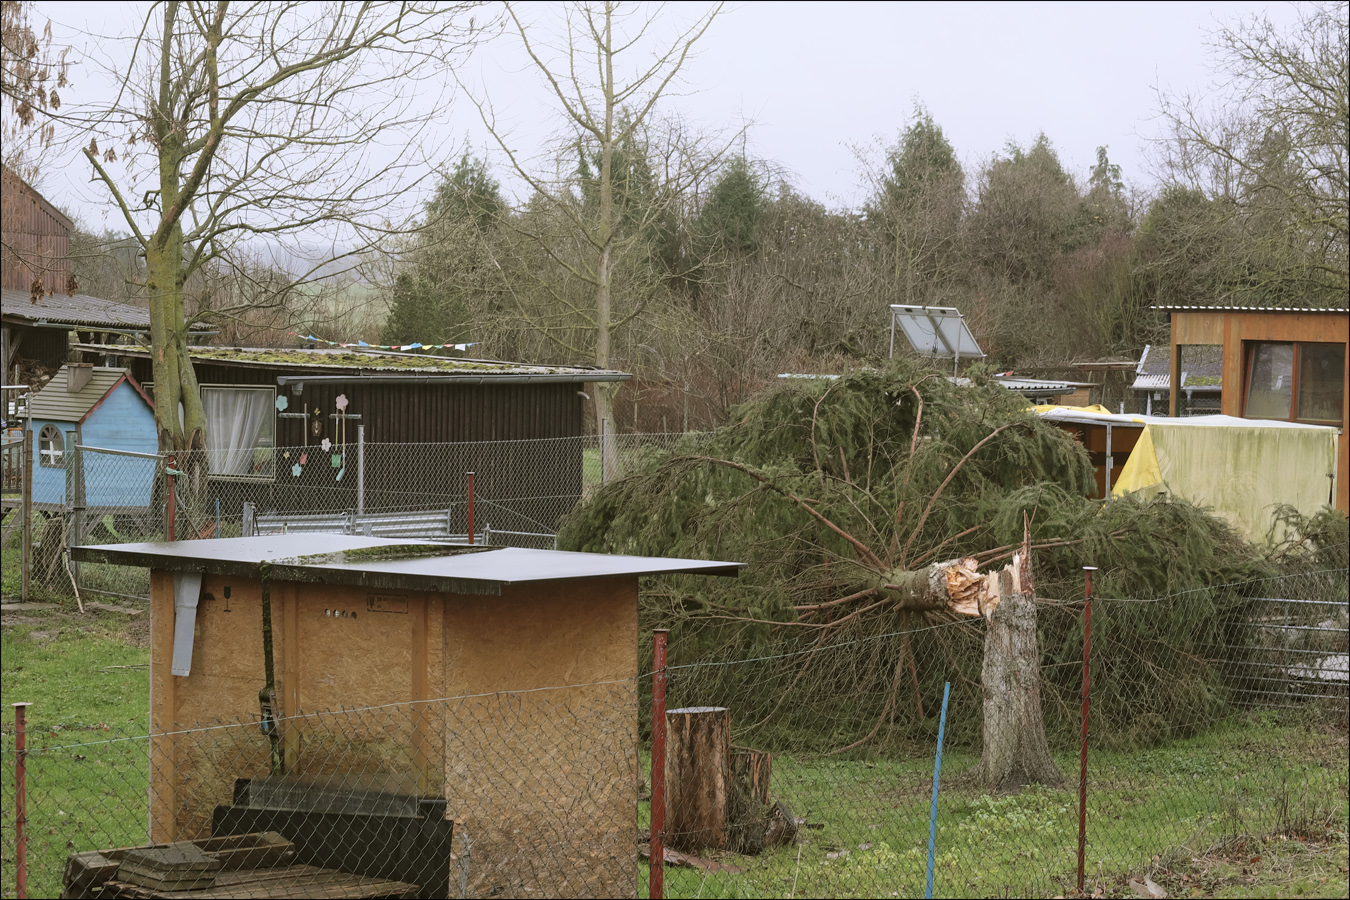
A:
[(348, 360)]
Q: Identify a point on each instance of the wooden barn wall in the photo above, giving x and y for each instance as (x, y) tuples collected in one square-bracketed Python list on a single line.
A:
[(36, 240)]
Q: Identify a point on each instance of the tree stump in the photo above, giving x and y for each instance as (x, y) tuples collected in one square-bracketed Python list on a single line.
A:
[(750, 808), (1015, 751), (698, 778)]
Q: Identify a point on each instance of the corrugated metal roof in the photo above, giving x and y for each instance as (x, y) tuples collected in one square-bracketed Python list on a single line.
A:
[(389, 564), (78, 309), (335, 360), (1152, 383), (1202, 368), (1282, 309), (56, 403), (1040, 385)]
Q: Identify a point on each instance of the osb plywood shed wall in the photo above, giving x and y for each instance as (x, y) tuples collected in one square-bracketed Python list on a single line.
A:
[(544, 781)]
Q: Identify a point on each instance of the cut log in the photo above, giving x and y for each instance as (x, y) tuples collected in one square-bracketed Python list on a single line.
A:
[(698, 778), (1015, 750)]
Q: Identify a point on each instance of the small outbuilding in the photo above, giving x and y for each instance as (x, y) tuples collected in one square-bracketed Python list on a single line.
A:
[(95, 407), (364, 697)]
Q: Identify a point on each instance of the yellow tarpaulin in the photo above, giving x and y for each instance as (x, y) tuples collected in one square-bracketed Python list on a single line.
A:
[(1239, 468)]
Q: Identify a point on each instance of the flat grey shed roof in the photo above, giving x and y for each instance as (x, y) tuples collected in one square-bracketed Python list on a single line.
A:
[(387, 563)]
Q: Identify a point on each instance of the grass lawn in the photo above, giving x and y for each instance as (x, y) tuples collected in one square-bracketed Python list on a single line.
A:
[(1256, 807), (1148, 811)]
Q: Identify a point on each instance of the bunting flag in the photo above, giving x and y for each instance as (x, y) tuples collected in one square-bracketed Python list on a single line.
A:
[(413, 346)]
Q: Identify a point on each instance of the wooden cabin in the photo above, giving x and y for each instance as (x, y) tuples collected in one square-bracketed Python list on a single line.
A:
[(403, 687), (1284, 365)]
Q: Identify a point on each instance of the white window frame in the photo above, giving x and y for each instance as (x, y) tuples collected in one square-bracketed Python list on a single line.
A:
[(53, 456)]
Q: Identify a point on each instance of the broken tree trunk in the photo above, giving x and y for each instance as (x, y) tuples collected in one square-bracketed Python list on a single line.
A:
[(1015, 750), (698, 778)]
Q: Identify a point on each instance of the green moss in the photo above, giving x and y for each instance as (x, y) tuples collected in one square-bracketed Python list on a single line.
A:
[(355, 360)]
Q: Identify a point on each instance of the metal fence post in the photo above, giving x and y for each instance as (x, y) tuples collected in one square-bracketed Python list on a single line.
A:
[(75, 537), (1082, 760), (173, 503), (360, 469), (29, 464), (20, 803), (470, 523), (656, 884), (937, 772)]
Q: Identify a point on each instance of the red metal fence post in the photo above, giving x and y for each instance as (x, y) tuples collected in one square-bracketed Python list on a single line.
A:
[(173, 503), (470, 474), (1082, 761), (20, 804), (656, 886)]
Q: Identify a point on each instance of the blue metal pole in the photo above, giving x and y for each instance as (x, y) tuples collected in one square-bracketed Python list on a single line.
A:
[(937, 770), (217, 517)]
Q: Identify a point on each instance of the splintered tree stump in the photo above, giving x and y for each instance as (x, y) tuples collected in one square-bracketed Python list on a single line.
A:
[(1015, 751), (698, 778)]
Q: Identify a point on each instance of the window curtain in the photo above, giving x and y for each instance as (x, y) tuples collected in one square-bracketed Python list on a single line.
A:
[(236, 420)]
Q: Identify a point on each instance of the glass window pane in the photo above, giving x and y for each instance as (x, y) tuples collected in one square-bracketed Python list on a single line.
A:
[(1321, 381), (1271, 388)]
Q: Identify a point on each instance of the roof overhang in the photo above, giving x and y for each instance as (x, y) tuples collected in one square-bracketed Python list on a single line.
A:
[(388, 564)]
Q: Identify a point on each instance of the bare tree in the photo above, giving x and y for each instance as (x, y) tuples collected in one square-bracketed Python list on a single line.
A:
[(243, 125), (608, 116), (1274, 148)]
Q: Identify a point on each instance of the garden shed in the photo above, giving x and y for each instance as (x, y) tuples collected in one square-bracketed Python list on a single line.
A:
[(284, 424), (95, 407), (404, 686)]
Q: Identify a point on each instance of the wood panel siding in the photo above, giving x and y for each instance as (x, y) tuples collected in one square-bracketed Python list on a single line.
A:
[(1237, 329), (36, 241)]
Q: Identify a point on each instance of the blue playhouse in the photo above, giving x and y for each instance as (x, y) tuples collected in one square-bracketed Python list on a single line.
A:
[(94, 407)]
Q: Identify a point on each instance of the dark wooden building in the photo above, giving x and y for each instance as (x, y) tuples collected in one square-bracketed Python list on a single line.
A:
[(283, 428)]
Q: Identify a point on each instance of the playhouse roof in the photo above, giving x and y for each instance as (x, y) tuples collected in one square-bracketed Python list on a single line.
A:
[(56, 403), (389, 564)]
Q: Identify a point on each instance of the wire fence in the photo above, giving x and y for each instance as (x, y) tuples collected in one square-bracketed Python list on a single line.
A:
[(522, 489), (792, 768)]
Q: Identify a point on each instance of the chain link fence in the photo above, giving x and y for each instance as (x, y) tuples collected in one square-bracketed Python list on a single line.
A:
[(794, 767), (522, 489)]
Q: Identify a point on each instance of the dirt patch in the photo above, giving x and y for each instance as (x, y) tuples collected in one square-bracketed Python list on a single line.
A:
[(137, 633)]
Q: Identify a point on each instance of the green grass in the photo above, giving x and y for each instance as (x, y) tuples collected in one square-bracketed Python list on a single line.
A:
[(86, 782), (1248, 778), (1193, 813), (69, 674)]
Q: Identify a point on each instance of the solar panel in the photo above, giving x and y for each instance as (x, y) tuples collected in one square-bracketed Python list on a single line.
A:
[(936, 331)]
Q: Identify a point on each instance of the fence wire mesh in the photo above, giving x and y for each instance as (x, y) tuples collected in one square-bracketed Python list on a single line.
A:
[(522, 489), (794, 768)]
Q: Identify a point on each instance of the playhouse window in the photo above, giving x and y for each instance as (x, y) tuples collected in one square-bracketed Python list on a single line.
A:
[(239, 431), (1301, 382), (52, 447)]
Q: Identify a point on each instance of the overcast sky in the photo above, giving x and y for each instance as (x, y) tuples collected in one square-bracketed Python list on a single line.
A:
[(816, 80)]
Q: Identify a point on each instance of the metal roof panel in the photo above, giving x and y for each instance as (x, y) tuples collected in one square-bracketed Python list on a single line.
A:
[(388, 563)]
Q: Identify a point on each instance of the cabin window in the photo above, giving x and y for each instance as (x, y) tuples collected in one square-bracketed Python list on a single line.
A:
[(1295, 381), (240, 431), (51, 447)]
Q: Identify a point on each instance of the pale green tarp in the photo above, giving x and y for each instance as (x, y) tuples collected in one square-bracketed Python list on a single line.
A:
[(1239, 468)]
